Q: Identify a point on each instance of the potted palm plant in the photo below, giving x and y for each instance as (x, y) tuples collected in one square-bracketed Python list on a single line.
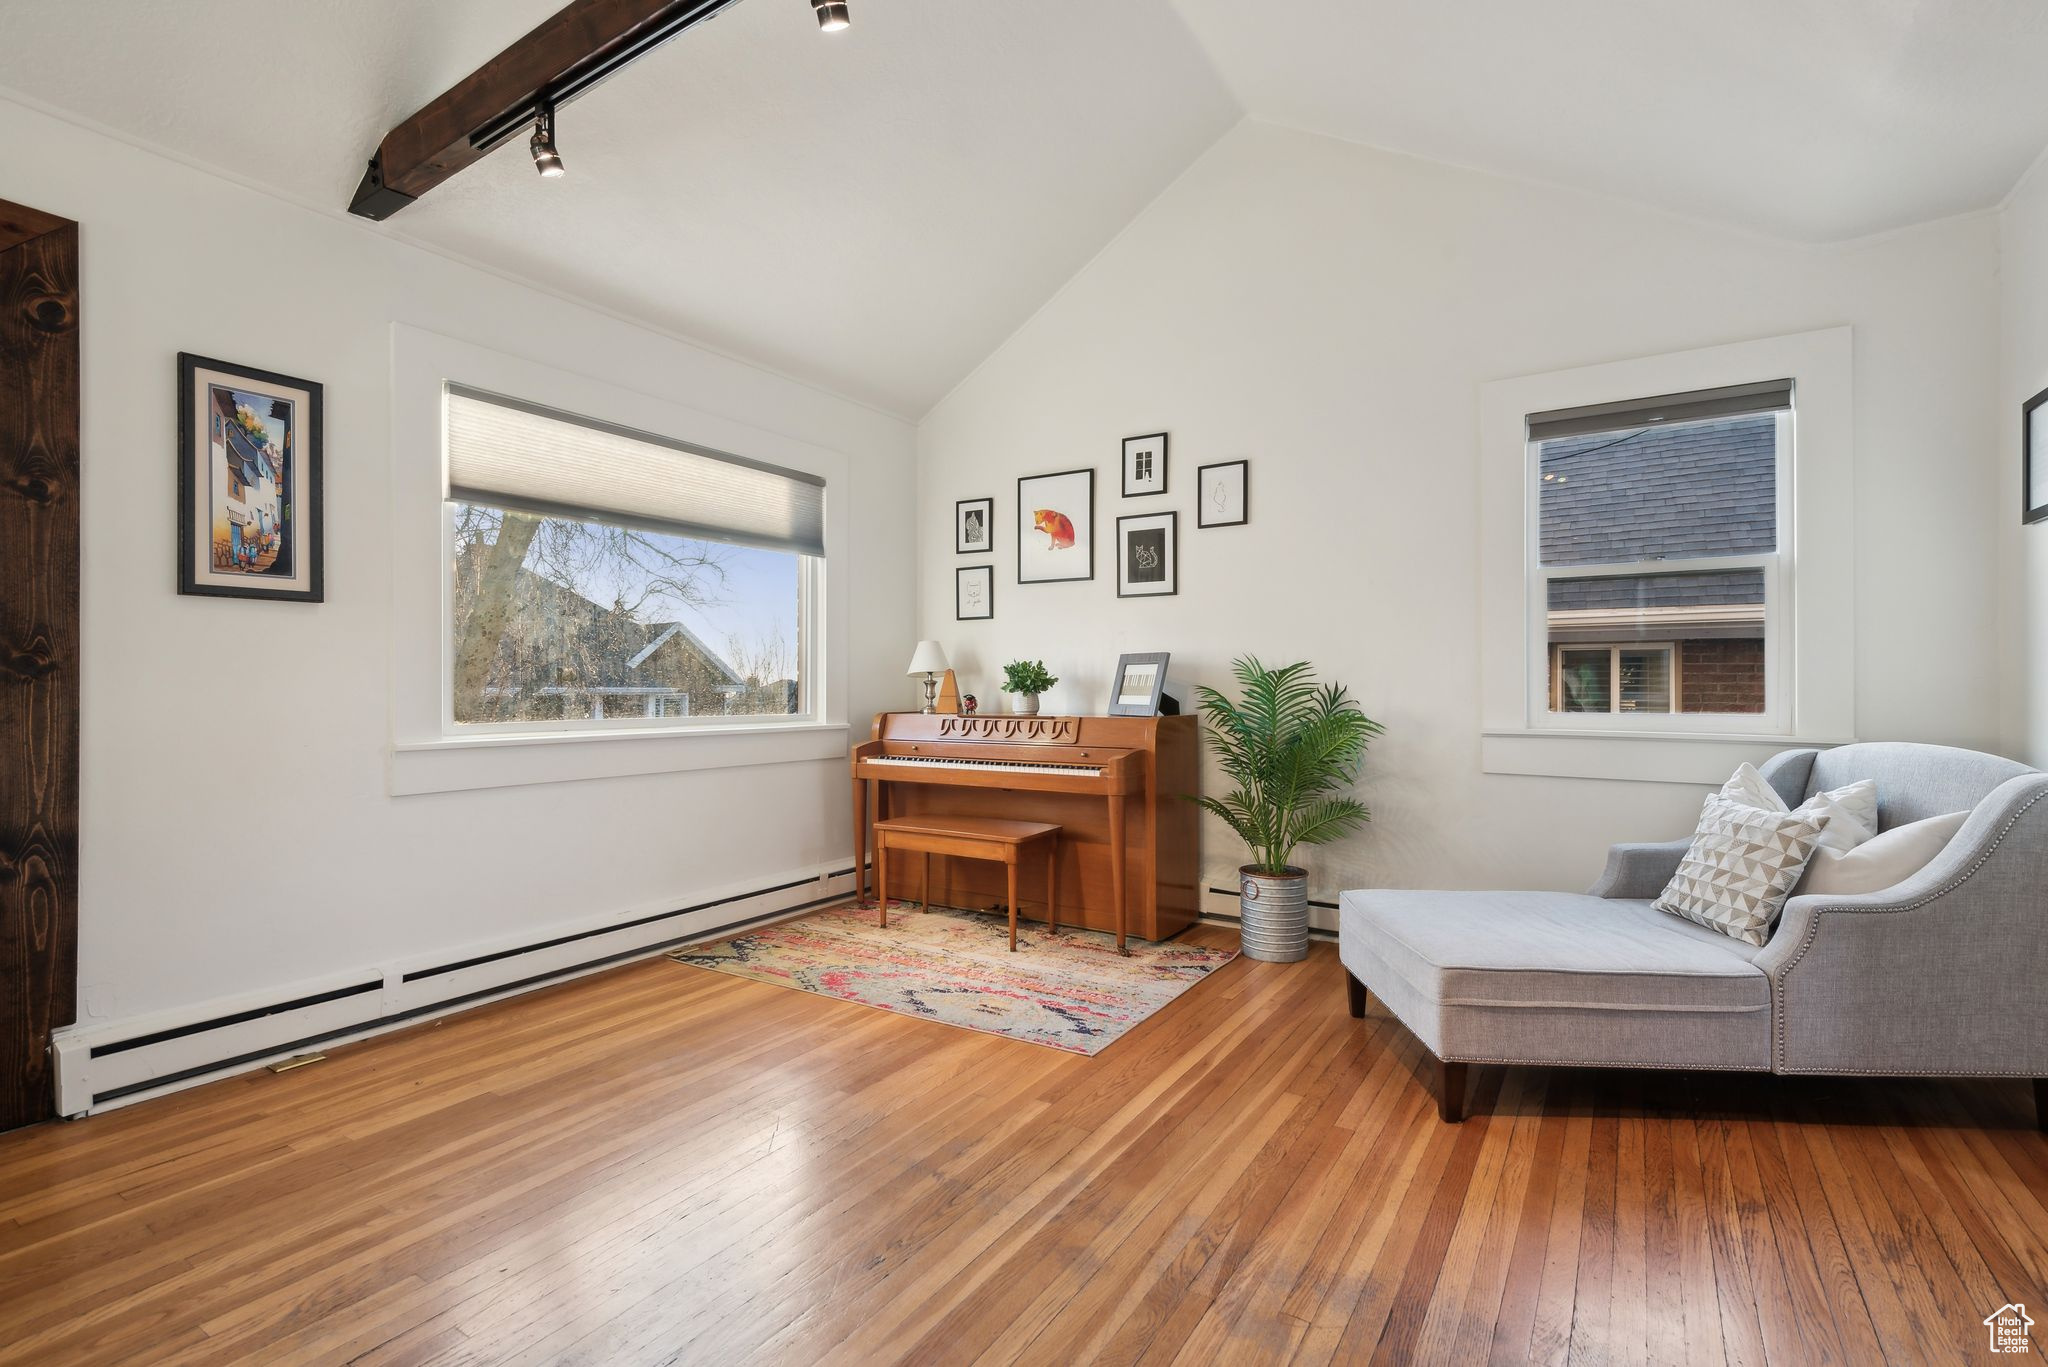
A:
[(1024, 680), (1292, 748)]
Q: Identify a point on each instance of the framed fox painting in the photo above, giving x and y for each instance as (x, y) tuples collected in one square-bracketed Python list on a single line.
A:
[(1056, 527)]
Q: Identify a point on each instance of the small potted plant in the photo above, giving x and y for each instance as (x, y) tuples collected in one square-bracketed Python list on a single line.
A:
[(1024, 680), (1292, 748)]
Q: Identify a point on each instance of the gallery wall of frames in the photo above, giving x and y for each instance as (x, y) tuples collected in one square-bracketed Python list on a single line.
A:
[(1056, 516)]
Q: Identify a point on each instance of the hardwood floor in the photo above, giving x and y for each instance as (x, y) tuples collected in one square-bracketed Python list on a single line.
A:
[(663, 1164)]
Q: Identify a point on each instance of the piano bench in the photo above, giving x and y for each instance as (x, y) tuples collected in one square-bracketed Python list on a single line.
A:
[(968, 837)]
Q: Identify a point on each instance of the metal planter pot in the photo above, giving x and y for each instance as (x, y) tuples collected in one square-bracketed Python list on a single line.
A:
[(1274, 908)]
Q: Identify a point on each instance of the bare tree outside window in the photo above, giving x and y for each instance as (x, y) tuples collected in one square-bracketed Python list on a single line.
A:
[(565, 618)]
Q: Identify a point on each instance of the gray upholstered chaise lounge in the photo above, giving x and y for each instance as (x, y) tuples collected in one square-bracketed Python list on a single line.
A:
[(1945, 973)]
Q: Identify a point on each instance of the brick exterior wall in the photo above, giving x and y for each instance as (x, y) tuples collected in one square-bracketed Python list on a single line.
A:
[(1721, 676)]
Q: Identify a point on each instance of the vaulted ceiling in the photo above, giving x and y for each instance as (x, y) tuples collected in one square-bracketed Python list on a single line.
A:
[(1810, 119), (876, 210)]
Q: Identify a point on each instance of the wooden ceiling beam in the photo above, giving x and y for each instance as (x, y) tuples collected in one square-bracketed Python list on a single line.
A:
[(570, 53)]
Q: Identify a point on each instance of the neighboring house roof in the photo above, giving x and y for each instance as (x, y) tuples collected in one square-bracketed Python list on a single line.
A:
[(670, 631), (1696, 489), (555, 636)]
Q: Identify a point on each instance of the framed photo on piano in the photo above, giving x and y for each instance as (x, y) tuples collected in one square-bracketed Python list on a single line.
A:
[(1140, 679)]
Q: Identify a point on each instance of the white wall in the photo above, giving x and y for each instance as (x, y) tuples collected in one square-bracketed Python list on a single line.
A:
[(2023, 576), (1329, 311), (222, 736)]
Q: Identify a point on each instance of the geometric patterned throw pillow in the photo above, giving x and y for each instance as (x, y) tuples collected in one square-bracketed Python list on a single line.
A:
[(1741, 867), (1852, 810)]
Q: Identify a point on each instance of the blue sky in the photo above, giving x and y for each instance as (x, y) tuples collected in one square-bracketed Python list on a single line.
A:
[(759, 599)]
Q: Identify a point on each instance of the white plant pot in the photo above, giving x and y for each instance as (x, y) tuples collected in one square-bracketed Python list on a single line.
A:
[(1024, 704), (1273, 912)]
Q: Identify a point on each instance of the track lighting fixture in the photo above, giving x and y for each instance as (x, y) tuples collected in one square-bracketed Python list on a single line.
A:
[(546, 159), (832, 15)]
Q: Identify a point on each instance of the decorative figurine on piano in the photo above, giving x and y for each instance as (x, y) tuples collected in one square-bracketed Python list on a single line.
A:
[(968, 703)]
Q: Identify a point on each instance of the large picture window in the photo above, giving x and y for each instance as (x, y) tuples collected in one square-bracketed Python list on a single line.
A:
[(1657, 565), (604, 577)]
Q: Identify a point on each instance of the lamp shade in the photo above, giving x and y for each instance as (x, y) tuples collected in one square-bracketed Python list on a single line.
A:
[(929, 659)]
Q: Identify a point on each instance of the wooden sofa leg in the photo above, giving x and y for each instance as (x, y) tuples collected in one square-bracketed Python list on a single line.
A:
[(1450, 1092), (1357, 991)]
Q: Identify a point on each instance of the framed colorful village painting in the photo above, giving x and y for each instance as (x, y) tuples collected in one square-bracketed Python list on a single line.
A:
[(248, 482)]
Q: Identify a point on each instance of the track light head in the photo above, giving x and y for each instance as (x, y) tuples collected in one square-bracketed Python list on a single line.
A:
[(546, 159), (832, 15)]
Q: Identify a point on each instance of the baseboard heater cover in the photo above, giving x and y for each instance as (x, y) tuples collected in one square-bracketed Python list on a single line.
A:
[(98, 1069), (1220, 905)]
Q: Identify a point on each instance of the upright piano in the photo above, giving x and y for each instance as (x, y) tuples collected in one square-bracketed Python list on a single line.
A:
[(1116, 787)]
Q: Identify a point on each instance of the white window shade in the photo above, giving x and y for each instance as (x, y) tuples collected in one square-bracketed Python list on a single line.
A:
[(518, 455), (1699, 405)]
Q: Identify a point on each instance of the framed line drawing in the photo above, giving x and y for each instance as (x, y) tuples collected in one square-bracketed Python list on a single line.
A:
[(974, 526), (1144, 465), (974, 593), (2034, 460), (1221, 494), (1147, 555)]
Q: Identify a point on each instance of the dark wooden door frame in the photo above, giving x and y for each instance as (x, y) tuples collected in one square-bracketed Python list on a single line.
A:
[(39, 651)]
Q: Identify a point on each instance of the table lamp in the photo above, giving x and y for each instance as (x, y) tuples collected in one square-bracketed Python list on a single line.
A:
[(929, 661)]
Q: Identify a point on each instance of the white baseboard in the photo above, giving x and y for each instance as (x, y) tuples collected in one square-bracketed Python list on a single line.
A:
[(1220, 904), (101, 1067)]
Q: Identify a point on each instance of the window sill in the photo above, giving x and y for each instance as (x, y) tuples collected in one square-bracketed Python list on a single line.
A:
[(463, 763), (1692, 758)]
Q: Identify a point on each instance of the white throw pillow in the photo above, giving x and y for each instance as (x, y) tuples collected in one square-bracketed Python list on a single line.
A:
[(1881, 862), (1741, 867), (1851, 810)]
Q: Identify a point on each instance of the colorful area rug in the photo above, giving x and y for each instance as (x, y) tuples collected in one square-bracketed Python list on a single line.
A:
[(1069, 991)]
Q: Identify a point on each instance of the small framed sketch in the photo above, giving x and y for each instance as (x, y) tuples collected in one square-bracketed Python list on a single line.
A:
[(1220, 495), (974, 525), (248, 483), (1056, 527), (1145, 465), (974, 593), (1140, 679), (1146, 555), (2034, 442)]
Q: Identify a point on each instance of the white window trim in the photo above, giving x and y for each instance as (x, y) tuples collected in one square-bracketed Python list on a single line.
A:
[(428, 753), (1811, 682)]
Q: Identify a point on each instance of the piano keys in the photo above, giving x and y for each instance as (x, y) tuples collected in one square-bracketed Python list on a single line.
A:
[(1116, 786)]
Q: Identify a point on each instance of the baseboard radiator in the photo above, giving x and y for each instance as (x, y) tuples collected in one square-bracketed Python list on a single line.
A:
[(102, 1067), (1221, 905)]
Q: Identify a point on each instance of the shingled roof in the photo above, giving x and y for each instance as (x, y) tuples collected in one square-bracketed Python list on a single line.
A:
[(1670, 493)]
